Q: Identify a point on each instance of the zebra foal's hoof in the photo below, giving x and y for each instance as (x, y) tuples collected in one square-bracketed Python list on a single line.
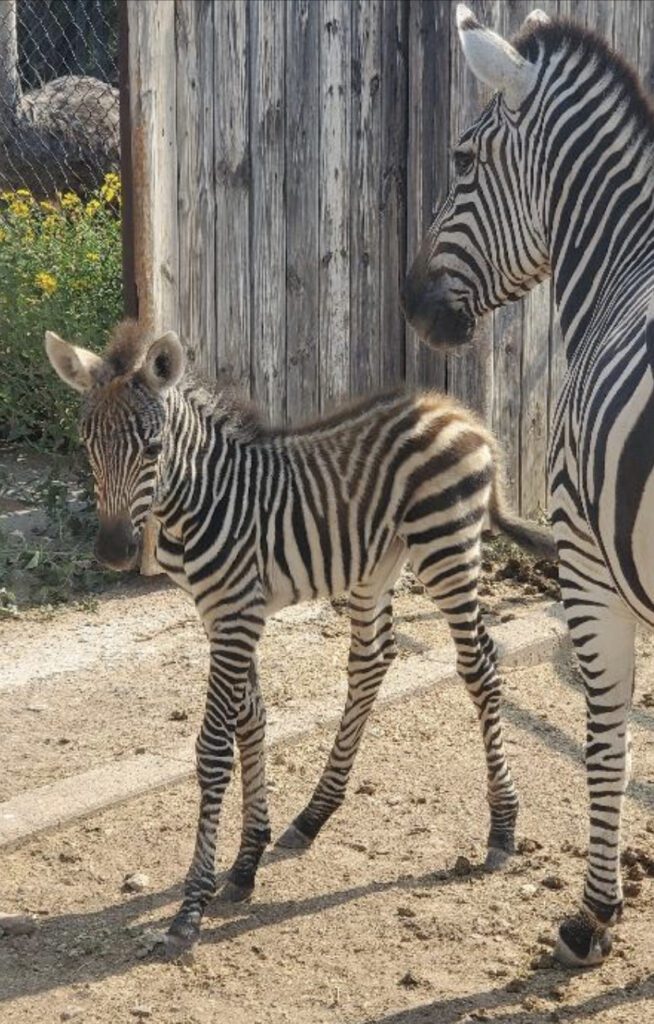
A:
[(581, 944), (182, 935), (232, 892), (497, 859), (293, 839)]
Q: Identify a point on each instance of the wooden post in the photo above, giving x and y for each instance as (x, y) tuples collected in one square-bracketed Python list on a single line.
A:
[(152, 79)]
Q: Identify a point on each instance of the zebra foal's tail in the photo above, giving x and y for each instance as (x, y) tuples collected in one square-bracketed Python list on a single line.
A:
[(536, 540)]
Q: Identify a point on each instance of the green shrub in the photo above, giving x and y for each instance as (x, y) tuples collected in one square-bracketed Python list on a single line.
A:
[(60, 270)]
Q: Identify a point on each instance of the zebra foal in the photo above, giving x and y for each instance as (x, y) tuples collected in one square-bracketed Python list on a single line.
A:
[(556, 177), (253, 519)]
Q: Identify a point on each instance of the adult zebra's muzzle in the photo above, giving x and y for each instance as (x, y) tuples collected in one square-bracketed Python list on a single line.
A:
[(432, 313), (116, 545)]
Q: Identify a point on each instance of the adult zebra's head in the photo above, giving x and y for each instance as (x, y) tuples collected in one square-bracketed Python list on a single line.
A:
[(487, 245), (123, 427)]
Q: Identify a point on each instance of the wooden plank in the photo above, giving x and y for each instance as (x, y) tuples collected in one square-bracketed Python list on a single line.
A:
[(393, 214), (470, 371), (429, 139), (599, 17), (534, 406), (154, 179), (302, 205), (627, 29), (232, 175), (365, 170), (196, 209), (645, 61), (268, 250), (335, 186)]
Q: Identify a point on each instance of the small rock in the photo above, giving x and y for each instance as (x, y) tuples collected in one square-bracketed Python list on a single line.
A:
[(64, 741), (139, 750), (558, 992), (68, 857), (528, 890), (649, 827), (547, 939), (636, 873), (393, 801), (462, 866), (516, 985), (542, 962), (17, 924), (629, 857), (141, 1011), (405, 912), (632, 889), (528, 845), (507, 617), (178, 715), (71, 1012), (136, 882), (367, 788), (36, 707), (409, 980), (553, 882)]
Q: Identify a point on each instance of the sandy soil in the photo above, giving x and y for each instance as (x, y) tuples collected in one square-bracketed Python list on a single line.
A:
[(374, 925)]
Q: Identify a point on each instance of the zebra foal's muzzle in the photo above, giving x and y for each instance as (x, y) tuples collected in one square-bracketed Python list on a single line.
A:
[(116, 545), (430, 310)]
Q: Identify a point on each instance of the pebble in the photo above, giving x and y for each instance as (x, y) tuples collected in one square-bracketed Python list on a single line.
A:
[(71, 1013), (542, 962), (409, 980), (17, 924), (405, 912), (507, 617), (178, 715), (632, 889), (141, 1011), (553, 882), (528, 845), (393, 801), (636, 873), (136, 882), (36, 707), (462, 866), (367, 788), (516, 985), (528, 890), (547, 939)]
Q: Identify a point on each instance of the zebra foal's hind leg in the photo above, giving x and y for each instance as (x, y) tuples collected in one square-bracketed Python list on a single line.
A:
[(603, 633), (255, 833), (372, 648), (450, 577)]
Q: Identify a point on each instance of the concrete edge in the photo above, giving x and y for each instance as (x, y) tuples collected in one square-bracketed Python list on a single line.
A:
[(522, 642)]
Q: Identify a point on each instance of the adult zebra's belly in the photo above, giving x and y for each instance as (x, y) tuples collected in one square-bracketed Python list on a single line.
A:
[(621, 495)]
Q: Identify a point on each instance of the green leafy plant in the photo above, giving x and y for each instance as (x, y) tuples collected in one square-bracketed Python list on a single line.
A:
[(60, 270)]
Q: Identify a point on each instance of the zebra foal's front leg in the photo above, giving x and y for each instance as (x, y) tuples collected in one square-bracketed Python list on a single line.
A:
[(233, 645), (372, 648), (603, 633)]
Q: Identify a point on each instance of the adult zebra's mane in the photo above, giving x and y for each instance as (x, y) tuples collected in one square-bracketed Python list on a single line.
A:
[(562, 34)]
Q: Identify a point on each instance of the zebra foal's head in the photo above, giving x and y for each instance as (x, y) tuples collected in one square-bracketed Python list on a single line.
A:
[(487, 245), (122, 426)]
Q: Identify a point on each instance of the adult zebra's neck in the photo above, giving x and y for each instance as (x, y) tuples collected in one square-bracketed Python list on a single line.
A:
[(597, 149)]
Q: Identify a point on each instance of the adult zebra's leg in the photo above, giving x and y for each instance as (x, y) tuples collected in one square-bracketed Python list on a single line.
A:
[(255, 834), (233, 645), (603, 633), (372, 648), (451, 579)]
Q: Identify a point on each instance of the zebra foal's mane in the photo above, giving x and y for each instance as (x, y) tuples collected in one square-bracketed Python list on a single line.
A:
[(561, 34)]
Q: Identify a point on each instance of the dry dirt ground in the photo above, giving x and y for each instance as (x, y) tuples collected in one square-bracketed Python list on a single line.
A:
[(377, 924)]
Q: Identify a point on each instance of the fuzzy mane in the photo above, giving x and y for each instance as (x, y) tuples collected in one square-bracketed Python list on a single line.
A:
[(562, 34), (128, 343)]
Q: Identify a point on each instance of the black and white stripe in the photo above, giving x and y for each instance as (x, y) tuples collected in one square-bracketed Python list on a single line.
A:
[(556, 177)]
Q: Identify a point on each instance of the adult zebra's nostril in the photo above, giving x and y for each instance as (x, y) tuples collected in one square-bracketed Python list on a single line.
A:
[(116, 545)]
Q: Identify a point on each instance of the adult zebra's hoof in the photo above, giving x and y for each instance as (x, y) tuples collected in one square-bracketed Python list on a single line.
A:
[(232, 892), (293, 839), (580, 944), (497, 859)]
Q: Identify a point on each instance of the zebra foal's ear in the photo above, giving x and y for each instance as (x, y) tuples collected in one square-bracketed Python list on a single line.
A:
[(76, 366), (494, 61), (164, 362)]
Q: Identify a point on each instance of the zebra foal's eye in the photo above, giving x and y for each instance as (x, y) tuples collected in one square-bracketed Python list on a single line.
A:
[(152, 450), (463, 161)]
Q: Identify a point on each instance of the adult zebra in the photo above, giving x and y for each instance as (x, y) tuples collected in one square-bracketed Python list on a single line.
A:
[(255, 519), (556, 178)]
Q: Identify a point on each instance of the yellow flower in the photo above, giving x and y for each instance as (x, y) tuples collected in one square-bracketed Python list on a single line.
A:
[(19, 208), (110, 190), (93, 257), (46, 282), (47, 206), (92, 207), (51, 223), (25, 192), (70, 201)]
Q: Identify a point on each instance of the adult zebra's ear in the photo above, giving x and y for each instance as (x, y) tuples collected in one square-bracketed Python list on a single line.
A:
[(164, 362), (78, 367), (494, 61), (537, 17)]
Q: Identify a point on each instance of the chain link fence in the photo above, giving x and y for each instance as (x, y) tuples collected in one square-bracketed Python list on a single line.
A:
[(59, 104)]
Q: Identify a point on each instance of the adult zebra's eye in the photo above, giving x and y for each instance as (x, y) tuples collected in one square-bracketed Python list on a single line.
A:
[(152, 450), (463, 161)]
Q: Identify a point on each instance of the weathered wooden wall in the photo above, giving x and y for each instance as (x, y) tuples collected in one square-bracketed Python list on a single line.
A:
[(310, 141)]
